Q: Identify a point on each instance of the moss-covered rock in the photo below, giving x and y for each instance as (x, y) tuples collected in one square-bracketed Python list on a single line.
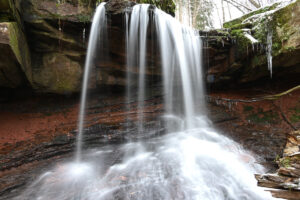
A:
[(18, 43), (6, 13), (74, 10), (282, 23), (57, 74), (16, 62)]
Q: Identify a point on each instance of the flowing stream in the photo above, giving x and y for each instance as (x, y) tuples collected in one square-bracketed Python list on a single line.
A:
[(191, 161)]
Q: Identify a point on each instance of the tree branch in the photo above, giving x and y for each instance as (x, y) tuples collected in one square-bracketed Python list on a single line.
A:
[(255, 4), (237, 4)]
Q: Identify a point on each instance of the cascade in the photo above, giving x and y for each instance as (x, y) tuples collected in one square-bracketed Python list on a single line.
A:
[(191, 161), (137, 43), (99, 20), (269, 50)]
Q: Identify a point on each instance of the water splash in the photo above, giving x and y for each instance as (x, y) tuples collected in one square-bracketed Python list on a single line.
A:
[(98, 21), (187, 165)]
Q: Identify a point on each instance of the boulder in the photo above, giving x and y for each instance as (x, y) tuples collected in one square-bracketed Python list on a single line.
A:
[(59, 74)]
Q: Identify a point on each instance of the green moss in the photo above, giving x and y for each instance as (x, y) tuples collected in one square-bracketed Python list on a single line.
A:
[(258, 60), (84, 18), (241, 26), (285, 162), (295, 117), (278, 22), (166, 5), (90, 4), (261, 117), (223, 32), (239, 21), (48, 114), (243, 42), (248, 108), (19, 46), (14, 33)]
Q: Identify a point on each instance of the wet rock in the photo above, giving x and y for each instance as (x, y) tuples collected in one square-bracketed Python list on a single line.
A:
[(59, 74), (286, 194), (288, 175)]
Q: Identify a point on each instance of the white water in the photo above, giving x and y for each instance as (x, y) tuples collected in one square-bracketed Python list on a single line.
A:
[(98, 21), (269, 50), (137, 48), (192, 161)]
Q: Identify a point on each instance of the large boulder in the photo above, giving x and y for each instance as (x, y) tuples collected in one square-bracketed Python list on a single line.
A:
[(57, 32)]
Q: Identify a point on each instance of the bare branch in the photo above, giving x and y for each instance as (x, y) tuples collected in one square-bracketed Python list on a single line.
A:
[(237, 4), (255, 4)]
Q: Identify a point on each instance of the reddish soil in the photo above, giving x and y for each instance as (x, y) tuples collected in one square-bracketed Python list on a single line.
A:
[(278, 113), (34, 127), (34, 124)]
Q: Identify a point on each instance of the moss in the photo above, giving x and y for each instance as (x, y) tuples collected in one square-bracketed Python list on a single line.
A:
[(285, 162), (261, 117), (166, 5), (243, 42), (13, 40), (84, 18), (90, 4), (223, 32), (258, 60), (48, 114), (239, 21), (58, 74), (248, 108), (295, 117), (241, 26), (19, 46)]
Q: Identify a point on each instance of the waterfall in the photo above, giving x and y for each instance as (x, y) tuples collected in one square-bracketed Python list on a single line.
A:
[(182, 65), (191, 161), (98, 21), (269, 50), (137, 43)]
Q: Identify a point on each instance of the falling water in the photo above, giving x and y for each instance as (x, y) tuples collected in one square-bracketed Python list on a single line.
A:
[(137, 43), (128, 73), (98, 21), (269, 50), (191, 161)]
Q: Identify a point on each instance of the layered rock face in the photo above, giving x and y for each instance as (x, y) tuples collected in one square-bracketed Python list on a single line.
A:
[(48, 39), (287, 177), (274, 29), (52, 39)]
